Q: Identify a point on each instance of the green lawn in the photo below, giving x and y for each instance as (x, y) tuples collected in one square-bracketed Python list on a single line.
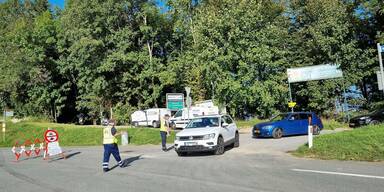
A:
[(74, 135), (362, 144)]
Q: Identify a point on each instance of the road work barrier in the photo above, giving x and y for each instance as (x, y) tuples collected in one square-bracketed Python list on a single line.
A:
[(28, 149)]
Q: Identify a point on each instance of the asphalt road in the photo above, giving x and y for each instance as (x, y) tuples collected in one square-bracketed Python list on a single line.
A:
[(258, 165)]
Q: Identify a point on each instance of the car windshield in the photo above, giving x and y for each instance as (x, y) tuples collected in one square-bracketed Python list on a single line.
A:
[(203, 122), (280, 117), (179, 113)]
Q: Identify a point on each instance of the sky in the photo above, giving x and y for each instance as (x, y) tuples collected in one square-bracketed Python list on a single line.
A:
[(59, 3)]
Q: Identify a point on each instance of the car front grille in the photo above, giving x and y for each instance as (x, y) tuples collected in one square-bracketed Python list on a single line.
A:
[(191, 138), (196, 147)]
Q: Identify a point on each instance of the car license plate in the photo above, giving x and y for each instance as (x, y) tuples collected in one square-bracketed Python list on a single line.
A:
[(352, 124), (190, 143), (257, 131)]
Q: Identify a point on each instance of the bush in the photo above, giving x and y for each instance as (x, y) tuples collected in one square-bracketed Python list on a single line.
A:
[(122, 113)]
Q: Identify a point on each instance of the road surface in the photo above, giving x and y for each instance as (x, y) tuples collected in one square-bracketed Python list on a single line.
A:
[(258, 165)]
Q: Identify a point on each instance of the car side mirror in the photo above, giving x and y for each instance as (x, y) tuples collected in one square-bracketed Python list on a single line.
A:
[(224, 125)]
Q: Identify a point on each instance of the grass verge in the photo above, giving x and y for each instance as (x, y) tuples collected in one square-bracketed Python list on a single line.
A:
[(363, 144), (74, 135), (243, 124), (332, 124)]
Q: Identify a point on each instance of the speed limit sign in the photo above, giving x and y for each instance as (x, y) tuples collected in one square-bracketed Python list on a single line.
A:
[(51, 136)]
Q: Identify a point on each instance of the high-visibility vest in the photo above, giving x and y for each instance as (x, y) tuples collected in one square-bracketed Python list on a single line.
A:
[(108, 138), (163, 127)]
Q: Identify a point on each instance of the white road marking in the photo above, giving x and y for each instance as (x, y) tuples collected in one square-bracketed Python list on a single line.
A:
[(338, 173)]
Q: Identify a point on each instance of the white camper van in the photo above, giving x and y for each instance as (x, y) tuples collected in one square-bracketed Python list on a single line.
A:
[(183, 116), (149, 117)]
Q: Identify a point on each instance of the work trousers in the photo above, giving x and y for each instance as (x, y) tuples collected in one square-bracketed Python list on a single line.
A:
[(111, 149), (163, 136)]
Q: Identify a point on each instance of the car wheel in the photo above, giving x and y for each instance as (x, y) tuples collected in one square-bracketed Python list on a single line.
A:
[(135, 124), (316, 130), (277, 133), (181, 154), (155, 124), (237, 140), (374, 122), (220, 146)]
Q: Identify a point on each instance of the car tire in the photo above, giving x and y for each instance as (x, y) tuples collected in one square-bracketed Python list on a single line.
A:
[(181, 154), (237, 140), (277, 133), (135, 124), (316, 130), (374, 122), (155, 124), (220, 146)]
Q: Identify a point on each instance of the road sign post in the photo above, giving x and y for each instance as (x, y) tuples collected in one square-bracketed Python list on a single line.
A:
[(310, 136), (3, 125), (310, 132), (3, 131), (188, 100), (290, 95), (380, 49), (379, 80)]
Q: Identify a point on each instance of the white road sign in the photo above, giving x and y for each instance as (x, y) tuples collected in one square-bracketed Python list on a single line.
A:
[(311, 73)]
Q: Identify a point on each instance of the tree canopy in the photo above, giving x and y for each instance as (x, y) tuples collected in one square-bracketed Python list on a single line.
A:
[(97, 55)]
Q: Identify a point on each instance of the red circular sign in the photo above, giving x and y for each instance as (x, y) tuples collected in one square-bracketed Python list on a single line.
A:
[(51, 136)]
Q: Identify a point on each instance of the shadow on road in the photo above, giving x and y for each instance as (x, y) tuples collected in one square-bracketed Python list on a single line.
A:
[(170, 148), (271, 138), (127, 162), (126, 151), (205, 153), (66, 156), (29, 158)]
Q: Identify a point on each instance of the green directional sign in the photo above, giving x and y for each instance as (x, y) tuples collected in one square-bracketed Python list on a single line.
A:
[(175, 101), (175, 105)]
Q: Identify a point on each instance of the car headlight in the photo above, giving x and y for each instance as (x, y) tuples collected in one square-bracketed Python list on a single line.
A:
[(177, 138), (267, 127), (364, 118), (209, 136)]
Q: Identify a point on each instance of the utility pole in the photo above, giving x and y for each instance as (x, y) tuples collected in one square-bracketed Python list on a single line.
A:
[(379, 50), (3, 130), (213, 91), (188, 99), (290, 94)]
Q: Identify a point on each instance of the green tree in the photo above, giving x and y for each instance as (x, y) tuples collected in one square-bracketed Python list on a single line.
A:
[(324, 34)]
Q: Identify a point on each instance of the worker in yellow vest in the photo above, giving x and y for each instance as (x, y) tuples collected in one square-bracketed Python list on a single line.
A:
[(110, 145), (164, 131)]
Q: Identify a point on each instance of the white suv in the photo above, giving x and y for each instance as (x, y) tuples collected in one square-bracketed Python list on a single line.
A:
[(207, 133)]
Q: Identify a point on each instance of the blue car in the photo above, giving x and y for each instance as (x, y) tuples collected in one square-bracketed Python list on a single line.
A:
[(288, 124)]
